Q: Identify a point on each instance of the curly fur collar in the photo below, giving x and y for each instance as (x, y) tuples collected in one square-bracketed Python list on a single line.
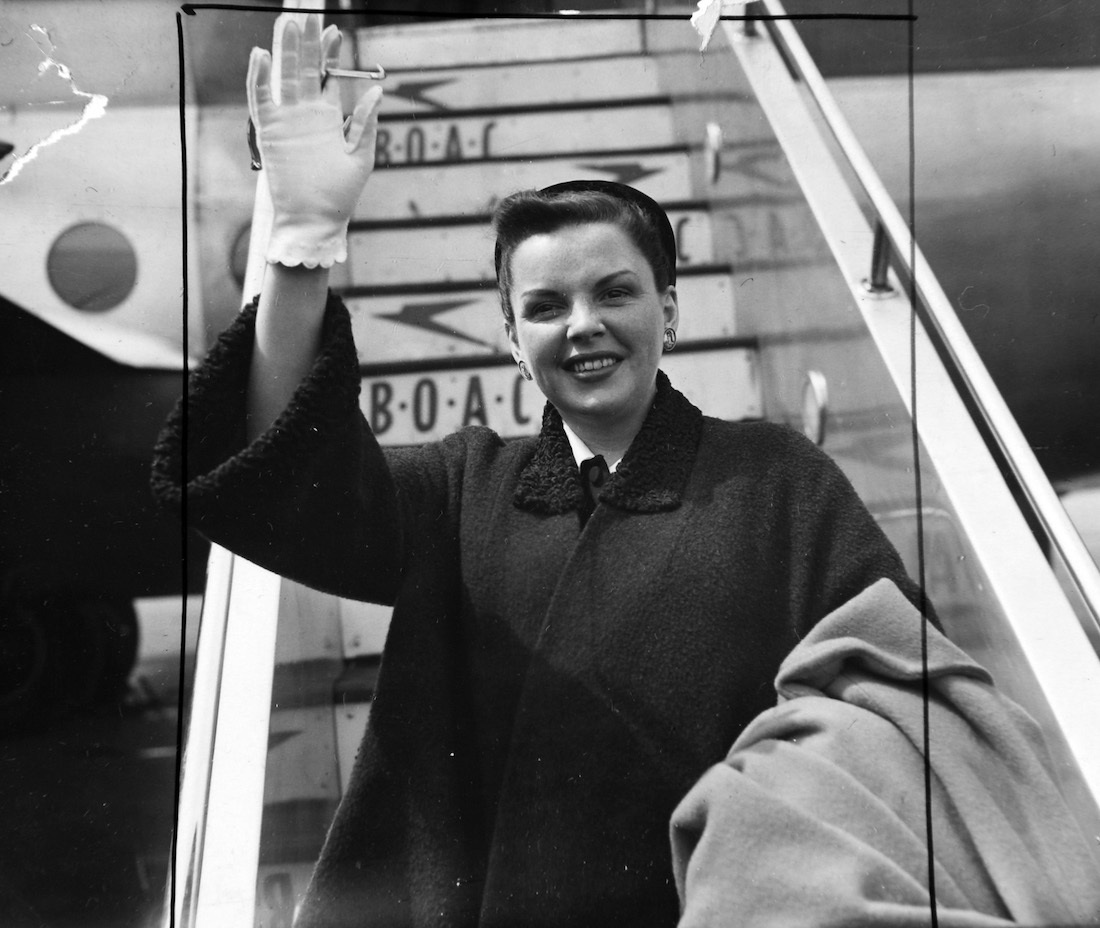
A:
[(650, 478)]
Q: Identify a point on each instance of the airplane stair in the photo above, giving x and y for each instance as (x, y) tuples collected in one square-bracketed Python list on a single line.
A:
[(794, 285)]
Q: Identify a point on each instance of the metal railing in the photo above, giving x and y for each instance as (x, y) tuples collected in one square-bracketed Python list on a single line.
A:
[(1024, 624), (895, 245)]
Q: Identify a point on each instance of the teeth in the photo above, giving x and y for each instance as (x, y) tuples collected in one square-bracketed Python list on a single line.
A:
[(592, 365)]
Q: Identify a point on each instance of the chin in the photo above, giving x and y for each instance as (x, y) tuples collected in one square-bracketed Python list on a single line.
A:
[(608, 412)]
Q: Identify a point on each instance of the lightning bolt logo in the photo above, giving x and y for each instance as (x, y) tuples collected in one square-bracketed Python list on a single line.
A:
[(275, 738), (754, 164), (625, 172), (422, 316), (416, 92)]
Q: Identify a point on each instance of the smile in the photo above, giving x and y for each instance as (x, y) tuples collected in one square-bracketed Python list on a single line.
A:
[(588, 365)]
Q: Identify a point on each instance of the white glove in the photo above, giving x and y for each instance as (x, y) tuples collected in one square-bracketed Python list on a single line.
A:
[(315, 171)]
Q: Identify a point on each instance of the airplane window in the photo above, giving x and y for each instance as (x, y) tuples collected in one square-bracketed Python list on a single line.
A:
[(92, 266)]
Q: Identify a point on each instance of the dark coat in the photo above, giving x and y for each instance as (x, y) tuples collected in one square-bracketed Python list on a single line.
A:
[(550, 688)]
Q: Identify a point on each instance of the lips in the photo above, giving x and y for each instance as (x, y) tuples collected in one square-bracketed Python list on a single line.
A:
[(590, 364)]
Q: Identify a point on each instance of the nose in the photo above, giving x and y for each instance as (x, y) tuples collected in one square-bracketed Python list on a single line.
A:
[(584, 320)]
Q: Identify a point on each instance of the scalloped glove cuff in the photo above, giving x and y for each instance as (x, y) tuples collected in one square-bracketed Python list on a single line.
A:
[(310, 243)]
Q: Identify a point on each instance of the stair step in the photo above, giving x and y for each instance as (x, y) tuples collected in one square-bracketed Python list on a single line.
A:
[(473, 187), (552, 83), (437, 326), (457, 44), (407, 406), (416, 140), (388, 256), (301, 749)]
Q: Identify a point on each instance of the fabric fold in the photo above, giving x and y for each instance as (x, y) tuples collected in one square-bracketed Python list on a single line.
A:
[(819, 815)]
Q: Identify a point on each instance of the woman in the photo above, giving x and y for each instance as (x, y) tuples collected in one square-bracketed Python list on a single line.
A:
[(569, 651)]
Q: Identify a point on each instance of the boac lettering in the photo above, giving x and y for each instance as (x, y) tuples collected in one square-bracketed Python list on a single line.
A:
[(474, 409), (381, 394), (425, 404), (517, 402)]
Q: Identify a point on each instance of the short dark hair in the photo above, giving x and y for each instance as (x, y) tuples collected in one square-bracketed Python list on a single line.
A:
[(540, 212)]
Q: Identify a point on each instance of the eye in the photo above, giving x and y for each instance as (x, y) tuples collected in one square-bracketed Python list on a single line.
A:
[(541, 309), (617, 294)]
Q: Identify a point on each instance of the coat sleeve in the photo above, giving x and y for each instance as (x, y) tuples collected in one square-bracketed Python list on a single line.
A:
[(314, 498)]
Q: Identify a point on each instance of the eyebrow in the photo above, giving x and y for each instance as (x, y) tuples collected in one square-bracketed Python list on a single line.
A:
[(602, 282), (614, 275)]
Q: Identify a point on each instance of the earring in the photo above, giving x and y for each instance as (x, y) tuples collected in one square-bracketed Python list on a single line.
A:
[(524, 373), (670, 339)]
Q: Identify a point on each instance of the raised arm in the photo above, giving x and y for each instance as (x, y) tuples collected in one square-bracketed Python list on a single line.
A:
[(315, 168), (313, 499), (288, 335)]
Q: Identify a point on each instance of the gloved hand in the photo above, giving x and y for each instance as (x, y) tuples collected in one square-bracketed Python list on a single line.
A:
[(315, 170)]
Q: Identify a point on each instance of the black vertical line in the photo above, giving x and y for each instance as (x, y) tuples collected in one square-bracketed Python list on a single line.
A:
[(918, 489), (180, 690)]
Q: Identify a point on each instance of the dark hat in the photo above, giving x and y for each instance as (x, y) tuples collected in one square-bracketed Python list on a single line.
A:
[(657, 216)]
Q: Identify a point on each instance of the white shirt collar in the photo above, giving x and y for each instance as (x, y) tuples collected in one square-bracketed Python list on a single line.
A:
[(581, 451)]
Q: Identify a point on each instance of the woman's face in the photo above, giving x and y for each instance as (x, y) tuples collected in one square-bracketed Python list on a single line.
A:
[(590, 324)]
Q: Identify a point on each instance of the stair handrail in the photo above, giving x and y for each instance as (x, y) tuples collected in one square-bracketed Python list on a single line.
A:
[(1014, 455)]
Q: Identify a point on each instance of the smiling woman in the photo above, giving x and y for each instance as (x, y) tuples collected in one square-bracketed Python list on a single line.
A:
[(568, 654), (588, 299)]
